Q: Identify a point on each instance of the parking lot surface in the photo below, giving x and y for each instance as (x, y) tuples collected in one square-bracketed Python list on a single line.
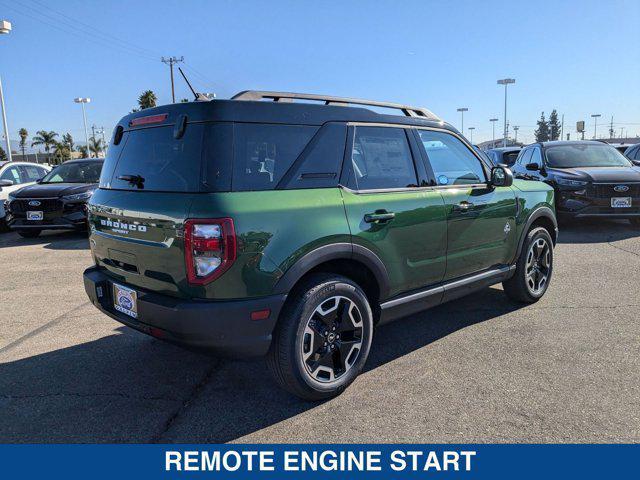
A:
[(480, 369)]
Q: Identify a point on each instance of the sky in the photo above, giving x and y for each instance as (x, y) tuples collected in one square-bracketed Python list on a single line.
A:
[(579, 57)]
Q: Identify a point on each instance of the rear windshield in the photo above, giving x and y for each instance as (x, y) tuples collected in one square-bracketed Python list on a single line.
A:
[(585, 155), (152, 159)]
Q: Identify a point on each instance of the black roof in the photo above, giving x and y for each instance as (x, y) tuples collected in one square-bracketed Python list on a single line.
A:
[(286, 112), (83, 160), (556, 143)]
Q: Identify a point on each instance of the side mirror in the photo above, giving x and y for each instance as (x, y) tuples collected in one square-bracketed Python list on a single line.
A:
[(5, 183), (532, 167), (501, 176)]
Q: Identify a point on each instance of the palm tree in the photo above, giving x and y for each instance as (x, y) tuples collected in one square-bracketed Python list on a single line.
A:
[(148, 99), (23, 140), (48, 139), (61, 152), (83, 151), (67, 139), (95, 146)]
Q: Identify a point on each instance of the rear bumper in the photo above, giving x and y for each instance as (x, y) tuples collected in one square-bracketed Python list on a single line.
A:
[(224, 327)]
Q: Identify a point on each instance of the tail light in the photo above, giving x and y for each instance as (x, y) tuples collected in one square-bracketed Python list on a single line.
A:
[(210, 248)]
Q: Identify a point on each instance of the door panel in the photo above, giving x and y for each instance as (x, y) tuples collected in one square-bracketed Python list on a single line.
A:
[(412, 244), (481, 229)]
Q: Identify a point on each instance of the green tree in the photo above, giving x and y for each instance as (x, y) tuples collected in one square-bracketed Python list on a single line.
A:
[(95, 146), (147, 99), (23, 140), (61, 152), (542, 132), (48, 139), (67, 139), (84, 153), (3, 155), (554, 125)]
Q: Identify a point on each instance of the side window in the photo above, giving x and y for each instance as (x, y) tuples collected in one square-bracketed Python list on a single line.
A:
[(525, 158), (13, 174), (381, 158), (320, 163), (452, 162), (264, 152), (31, 174), (637, 154), (536, 156)]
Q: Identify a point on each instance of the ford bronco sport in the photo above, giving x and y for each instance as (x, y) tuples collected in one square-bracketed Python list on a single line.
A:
[(268, 225)]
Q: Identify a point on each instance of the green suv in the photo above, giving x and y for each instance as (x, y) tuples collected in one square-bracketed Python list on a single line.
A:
[(291, 225)]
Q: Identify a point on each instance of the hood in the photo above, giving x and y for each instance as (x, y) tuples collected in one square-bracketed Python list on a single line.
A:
[(53, 190), (600, 174)]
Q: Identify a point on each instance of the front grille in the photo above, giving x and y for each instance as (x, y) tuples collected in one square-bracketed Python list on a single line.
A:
[(46, 205), (607, 190)]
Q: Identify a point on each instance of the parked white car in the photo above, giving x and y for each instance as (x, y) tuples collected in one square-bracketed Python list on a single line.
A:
[(15, 175)]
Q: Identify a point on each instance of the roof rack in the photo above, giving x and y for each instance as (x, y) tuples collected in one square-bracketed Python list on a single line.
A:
[(256, 95)]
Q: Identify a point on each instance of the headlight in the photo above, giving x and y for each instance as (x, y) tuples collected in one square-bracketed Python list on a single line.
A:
[(78, 197), (570, 183)]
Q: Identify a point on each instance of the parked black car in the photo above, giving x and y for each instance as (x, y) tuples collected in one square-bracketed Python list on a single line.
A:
[(505, 155), (590, 178), (633, 153), (57, 201)]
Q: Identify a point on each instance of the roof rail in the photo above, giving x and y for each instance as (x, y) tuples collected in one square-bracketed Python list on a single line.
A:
[(256, 95)]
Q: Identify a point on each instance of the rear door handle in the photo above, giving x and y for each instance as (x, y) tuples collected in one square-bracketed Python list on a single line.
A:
[(379, 216)]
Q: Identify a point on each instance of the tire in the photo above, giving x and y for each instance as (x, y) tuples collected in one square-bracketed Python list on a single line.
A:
[(533, 274), (28, 233), (3, 225), (322, 339)]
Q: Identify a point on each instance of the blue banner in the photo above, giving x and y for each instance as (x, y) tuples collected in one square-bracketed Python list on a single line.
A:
[(319, 461)]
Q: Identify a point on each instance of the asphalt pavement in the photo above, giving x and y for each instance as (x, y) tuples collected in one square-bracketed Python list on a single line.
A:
[(479, 369)]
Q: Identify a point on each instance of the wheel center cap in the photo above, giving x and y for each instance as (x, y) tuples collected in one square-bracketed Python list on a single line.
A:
[(331, 337)]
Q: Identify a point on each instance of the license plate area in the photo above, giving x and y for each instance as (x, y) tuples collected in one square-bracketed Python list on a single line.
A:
[(35, 215), (621, 202), (125, 300)]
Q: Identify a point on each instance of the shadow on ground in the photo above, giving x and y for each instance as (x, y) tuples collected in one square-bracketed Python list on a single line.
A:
[(55, 240), (596, 231), (131, 388)]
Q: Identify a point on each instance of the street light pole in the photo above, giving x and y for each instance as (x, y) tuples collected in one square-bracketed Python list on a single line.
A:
[(83, 100), (462, 110), (595, 124), (5, 27), (471, 129), (505, 82), (515, 129), (493, 132)]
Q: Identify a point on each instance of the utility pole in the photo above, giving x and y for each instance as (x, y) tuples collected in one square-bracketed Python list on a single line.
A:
[(171, 61), (462, 110), (506, 82), (93, 138), (82, 101), (595, 124), (515, 129), (562, 127), (611, 128), (493, 129)]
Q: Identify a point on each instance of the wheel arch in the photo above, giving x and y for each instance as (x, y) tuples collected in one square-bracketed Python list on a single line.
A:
[(543, 217)]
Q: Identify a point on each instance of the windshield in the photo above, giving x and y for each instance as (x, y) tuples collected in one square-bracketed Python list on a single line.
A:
[(82, 172), (571, 156)]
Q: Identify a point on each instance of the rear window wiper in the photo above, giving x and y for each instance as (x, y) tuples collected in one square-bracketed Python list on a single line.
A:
[(134, 180)]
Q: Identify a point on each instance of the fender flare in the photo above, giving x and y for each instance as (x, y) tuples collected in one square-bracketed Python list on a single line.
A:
[(539, 212), (335, 251)]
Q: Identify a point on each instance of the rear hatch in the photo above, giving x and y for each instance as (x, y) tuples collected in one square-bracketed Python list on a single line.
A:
[(152, 173)]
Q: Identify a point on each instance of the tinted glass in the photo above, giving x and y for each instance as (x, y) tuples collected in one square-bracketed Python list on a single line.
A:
[(637, 154), (452, 162), (263, 153), (76, 172), (536, 156), (163, 163), (525, 158), (11, 173), (381, 158), (32, 173), (585, 155), (510, 158)]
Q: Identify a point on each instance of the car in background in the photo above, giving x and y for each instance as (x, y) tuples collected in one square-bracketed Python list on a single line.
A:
[(484, 155), (15, 175), (590, 178), (504, 155), (56, 202), (633, 153)]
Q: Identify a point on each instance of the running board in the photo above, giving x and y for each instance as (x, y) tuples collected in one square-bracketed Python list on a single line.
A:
[(433, 296)]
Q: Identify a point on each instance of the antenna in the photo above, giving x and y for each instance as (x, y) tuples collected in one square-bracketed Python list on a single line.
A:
[(199, 96)]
